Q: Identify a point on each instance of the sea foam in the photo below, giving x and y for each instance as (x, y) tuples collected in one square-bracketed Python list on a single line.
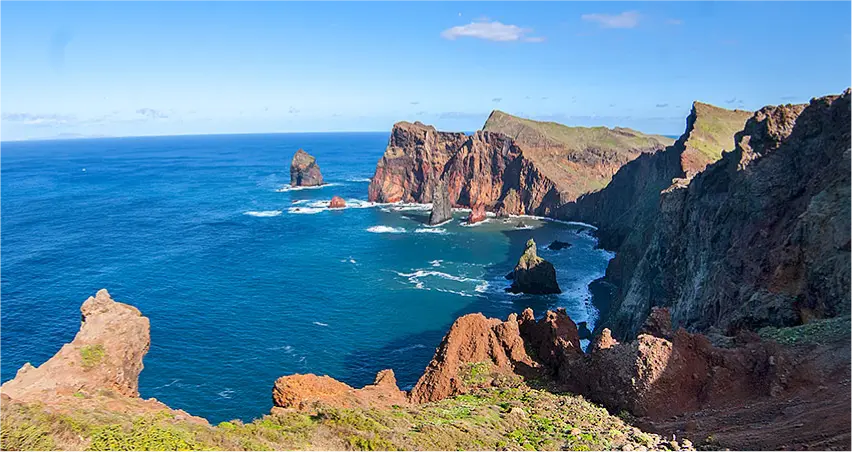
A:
[(263, 213), (385, 229)]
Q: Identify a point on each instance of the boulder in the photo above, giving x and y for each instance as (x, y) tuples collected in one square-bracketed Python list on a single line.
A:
[(557, 245), (304, 171), (442, 209), (477, 214), (336, 203), (533, 274)]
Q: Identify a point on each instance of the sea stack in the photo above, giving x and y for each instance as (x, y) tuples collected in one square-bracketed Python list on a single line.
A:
[(477, 213), (533, 274), (304, 171), (336, 203), (442, 210)]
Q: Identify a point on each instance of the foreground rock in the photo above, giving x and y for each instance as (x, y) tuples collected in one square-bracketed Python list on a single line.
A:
[(760, 237), (474, 353), (307, 392), (336, 203), (533, 274), (442, 209), (98, 369), (304, 171), (542, 167)]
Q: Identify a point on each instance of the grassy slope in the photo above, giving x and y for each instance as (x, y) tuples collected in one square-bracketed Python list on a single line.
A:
[(577, 159), (715, 129), (507, 418)]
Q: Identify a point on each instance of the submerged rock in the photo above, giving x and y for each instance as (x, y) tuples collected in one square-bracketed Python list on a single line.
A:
[(304, 171), (477, 214), (557, 245), (533, 274), (442, 209), (336, 203)]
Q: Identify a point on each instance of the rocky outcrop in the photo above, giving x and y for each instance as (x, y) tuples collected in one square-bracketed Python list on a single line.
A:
[(759, 238), (557, 245), (99, 368), (533, 274), (336, 203), (525, 175), (304, 171), (442, 209), (474, 352), (305, 392), (477, 214)]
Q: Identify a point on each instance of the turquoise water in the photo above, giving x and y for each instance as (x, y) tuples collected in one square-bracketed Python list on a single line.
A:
[(245, 282)]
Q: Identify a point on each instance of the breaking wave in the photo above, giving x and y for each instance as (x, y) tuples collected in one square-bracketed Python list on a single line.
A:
[(263, 213), (385, 229)]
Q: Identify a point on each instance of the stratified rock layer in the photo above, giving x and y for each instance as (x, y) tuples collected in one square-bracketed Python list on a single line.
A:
[(304, 171), (533, 274), (759, 238), (533, 173)]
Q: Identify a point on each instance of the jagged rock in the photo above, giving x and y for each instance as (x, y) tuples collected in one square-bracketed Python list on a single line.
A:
[(557, 245), (521, 225), (658, 323), (304, 392), (472, 353), (336, 203), (554, 339), (603, 341), (477, 214), (442, 209), (758, 238), (304, 171), (533, 274), (491, 168)]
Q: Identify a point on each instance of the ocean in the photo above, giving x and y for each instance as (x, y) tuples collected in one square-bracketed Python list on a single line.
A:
[(243, 279)]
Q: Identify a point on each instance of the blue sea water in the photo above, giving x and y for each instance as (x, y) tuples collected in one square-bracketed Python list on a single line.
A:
[(245, 281)]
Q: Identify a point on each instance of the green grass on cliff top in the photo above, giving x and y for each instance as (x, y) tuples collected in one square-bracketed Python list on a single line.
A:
[(506, 418), (602, 138), (714, 129)]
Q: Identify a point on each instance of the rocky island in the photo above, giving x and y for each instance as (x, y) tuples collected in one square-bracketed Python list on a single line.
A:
[(304, 170), (533, 274)]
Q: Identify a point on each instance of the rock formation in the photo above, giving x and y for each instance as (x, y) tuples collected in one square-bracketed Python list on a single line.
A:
[(760, 237), (477, 214), (304, 392), (544, 165), (99, 368), (442, 209), (336, 203), (474, 352), (304, 171), (557, 245), (533, 274)]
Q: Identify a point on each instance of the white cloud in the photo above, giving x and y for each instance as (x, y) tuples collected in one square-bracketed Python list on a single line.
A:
[(627, 19), (31, 119), (491, 31)]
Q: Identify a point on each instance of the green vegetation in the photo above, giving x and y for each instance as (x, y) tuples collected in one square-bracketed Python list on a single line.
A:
[(815, 332), (508, 418), (714, 130), (92, 355)]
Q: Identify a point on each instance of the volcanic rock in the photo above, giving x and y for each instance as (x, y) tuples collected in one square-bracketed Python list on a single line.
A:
[(442, 209), (477, 214), (472, 354), (304, 392), (533, 274), (336, 203), (554, 339), (304, 171), (557, 245)]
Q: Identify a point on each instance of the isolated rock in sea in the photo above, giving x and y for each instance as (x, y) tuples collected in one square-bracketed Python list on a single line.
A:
[(477, 214), (337, 203), (442, 209), (304, 392), (533, 274), (304, 171), (557, 245), (759, 238), (474, 352)]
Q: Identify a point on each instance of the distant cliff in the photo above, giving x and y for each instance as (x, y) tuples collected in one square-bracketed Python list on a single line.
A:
[(512, 166), (761, 237)]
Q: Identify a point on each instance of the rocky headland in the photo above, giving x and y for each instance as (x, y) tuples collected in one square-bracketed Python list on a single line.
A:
[(304, 170), (512, 166)]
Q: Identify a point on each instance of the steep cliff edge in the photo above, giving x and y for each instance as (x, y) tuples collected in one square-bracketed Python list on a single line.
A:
[(759, 238), (513, 166)]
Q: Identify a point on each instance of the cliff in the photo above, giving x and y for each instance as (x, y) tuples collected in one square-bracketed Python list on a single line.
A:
[(759, 238), (533, 171)]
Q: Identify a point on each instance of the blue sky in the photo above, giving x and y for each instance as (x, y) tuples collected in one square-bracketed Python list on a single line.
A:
[(160, 68)]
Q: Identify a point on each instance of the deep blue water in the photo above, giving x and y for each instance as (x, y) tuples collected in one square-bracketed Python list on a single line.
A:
[(243, 282)]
